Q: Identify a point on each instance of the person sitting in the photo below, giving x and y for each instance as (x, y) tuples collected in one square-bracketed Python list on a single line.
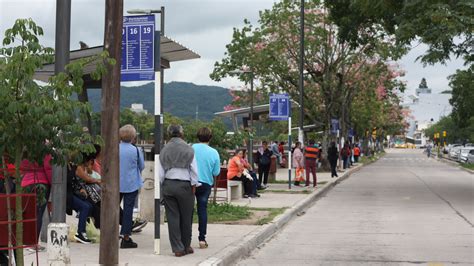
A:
[(235, 172), (249, 172)]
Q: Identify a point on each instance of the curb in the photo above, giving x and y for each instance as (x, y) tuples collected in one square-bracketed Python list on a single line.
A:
[(244, 246), (446, 161)]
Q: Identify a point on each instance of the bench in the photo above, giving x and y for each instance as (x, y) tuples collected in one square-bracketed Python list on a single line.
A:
[(234, 190)]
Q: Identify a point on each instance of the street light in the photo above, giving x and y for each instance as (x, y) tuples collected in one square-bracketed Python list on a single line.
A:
[(250, 72)]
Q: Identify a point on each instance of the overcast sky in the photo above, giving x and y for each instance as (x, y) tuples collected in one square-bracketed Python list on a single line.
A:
[(204, 26)]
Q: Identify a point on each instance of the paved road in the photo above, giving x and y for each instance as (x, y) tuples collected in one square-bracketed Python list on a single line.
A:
[(403, 209)]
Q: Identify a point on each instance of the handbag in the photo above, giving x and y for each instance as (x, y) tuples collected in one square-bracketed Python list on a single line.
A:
[(93, 192)]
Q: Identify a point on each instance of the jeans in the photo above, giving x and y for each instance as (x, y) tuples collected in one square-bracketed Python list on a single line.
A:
[(83, 207), (255, 182), (311, 168), (127, 217), (202, 197), (345, 162)]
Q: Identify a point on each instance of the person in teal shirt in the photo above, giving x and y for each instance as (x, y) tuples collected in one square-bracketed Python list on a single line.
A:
[(208, 164)]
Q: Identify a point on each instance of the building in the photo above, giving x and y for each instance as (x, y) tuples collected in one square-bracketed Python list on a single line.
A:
[(138, 108), (426, 108)]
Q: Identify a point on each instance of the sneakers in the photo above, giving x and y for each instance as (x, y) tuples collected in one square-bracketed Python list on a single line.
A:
[(203, 244), (82, 238), (128, 243), (138, 224)]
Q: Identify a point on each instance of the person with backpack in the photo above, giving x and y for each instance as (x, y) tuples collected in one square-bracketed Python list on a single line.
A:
[(345, 155), (264, 159), (311, 156)]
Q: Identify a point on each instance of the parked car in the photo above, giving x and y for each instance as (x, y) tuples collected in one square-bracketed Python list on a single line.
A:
[(454, 152), (470, 157), (464, 152)]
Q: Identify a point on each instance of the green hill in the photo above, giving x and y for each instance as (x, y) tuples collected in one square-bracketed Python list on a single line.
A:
[(180, 99)]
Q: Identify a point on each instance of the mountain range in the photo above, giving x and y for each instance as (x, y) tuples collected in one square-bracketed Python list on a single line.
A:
[(181, 99)]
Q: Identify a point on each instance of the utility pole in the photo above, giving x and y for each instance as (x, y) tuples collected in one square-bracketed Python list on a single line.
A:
[(58, 255), (109, 243), (301, 81)]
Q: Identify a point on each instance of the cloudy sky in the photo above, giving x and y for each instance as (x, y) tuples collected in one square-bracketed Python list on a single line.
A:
[(204, 26)]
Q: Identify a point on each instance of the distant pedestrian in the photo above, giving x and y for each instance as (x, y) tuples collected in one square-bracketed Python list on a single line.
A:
[(275, 151), (333, 156), (132, 164), (248, 171), (208, 163), (179, 176), (264, 159), (356, 153), (311, 155), (235, 172), (345, 155), (428, 150), (298, 162)]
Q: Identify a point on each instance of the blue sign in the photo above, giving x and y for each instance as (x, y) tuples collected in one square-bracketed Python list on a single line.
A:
[(138, 36), (334, 126), (279, 107), (351, 133)]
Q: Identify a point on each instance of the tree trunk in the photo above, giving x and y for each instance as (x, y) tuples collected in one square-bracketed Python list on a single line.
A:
[(110, 118), (9, 211), (19, 208)]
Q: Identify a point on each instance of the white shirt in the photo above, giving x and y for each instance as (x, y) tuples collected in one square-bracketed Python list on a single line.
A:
[(184, 174)]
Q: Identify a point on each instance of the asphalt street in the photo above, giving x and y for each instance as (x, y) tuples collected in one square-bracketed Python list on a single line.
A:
[(403, 209)]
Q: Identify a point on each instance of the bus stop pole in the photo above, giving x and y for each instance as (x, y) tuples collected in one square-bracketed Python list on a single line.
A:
[(289, 152), (157, 136)]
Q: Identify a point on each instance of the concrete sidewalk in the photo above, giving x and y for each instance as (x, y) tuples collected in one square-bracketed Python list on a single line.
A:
[(227, 242)]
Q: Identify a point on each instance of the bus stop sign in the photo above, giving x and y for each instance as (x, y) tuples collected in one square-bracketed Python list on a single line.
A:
[(279, 106)]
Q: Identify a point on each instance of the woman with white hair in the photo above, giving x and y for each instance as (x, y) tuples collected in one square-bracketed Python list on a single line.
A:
[(131, 166)]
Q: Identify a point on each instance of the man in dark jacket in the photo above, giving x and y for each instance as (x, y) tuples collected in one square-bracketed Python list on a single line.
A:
[(264, 159), (333, 156)]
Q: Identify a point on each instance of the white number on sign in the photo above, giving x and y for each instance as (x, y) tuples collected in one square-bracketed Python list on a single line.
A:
[(133, 30), (146, 30)]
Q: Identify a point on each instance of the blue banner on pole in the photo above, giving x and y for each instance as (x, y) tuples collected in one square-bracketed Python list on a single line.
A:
[(334, 126), (138, 40), (280, 106)]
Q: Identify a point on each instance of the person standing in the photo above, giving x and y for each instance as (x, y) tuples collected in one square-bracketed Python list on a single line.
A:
[(178, 173), (275, 150), (37, 179), (264, 159), (333, 156), (345, 154), (311, 155), (132, 164), (298, 162), (208, 163), (356, 153)]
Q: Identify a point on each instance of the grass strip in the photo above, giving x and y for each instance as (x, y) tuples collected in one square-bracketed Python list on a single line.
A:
[(224, 212), (274, 212)]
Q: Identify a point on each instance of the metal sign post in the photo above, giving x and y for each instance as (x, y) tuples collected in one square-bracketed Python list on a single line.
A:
[(280, 111)]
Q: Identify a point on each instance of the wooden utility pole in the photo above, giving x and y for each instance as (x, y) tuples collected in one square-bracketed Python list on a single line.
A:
[(109, 216)]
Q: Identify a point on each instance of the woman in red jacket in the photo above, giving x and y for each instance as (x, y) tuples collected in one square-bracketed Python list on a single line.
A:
[(37, 179)]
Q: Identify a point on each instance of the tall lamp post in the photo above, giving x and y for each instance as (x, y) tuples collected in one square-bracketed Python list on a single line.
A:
[(301, 68), (250, 72), (158, 115)]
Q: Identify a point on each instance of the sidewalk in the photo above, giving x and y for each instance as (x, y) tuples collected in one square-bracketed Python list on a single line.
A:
[(227, 242)]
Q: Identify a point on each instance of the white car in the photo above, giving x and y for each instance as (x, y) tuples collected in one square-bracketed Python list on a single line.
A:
[(464, 153), (454, 152), (470, 157)]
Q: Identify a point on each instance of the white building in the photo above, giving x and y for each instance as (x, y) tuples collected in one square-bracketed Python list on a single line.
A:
[(138, 108), (426, 109)]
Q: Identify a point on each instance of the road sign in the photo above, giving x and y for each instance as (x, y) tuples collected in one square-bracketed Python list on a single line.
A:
[(334, 126), (279, 106), (138, 34)]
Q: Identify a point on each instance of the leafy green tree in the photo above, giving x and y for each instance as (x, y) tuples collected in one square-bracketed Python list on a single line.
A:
[(462, 100), (445, 26), (36, 119)]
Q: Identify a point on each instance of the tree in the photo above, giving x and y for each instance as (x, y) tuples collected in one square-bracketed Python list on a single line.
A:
[(445, 26), (334, 68), (463, 96), (36, 119)]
